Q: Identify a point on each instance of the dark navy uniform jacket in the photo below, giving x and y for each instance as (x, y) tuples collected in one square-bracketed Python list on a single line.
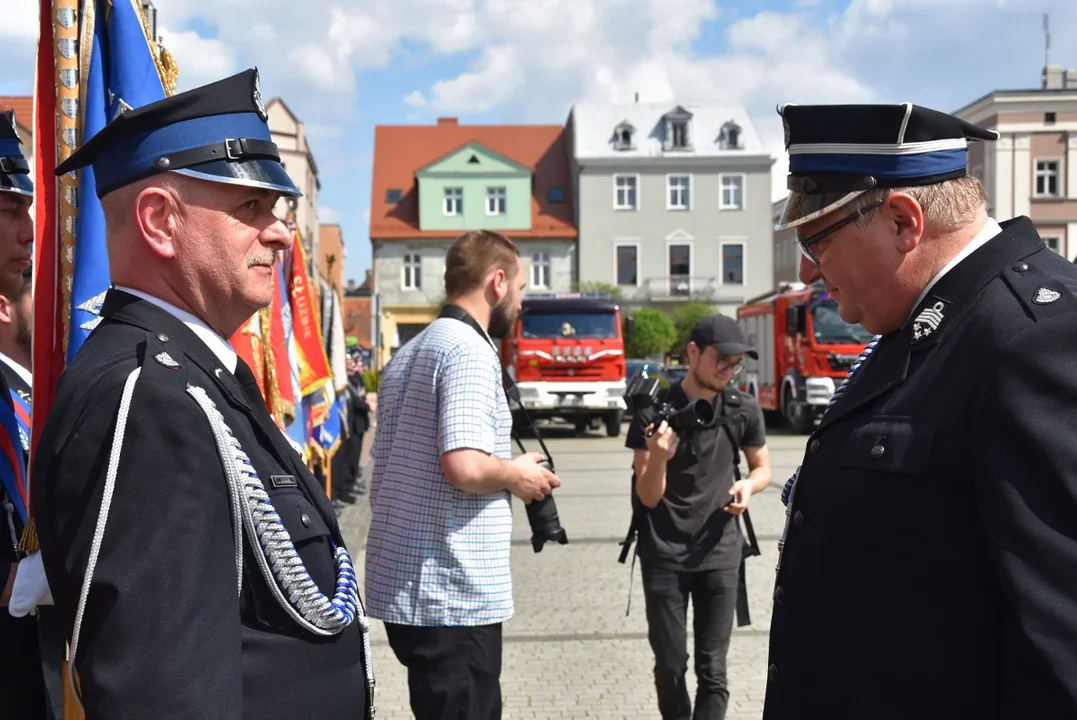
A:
[(930, 567), (165, 635)]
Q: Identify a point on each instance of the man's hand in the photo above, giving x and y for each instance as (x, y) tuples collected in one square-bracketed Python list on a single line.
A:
[(535, 482), (742, 496), (663, 444)]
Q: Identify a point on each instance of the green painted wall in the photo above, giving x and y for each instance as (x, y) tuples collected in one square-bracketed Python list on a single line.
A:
[(474, 169)]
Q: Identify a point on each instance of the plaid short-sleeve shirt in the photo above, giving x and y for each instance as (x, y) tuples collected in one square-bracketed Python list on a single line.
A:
[(436, 555)]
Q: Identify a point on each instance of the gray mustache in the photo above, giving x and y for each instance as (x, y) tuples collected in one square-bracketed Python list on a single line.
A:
[(268, 259)]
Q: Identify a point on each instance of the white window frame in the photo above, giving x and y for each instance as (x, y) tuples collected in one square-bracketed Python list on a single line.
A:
[(691, 262), (493, 196), (544, 262), (673, 125), (629, 208), (722, 205), (456, 194), (1036, 173), (412, 261), (626, 242), (722, 243), (688, 189)]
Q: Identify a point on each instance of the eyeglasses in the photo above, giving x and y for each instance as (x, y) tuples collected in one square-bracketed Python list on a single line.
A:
[(724, 364), (806, 243)]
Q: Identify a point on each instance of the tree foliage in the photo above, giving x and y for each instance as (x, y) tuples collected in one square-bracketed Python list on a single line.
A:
[(685, 318), (654, 335)]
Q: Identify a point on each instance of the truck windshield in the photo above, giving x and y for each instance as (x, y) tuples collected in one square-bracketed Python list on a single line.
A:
[(569, 325), (830, 328)]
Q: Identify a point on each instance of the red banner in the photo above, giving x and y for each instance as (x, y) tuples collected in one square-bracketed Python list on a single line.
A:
[(306, 331)]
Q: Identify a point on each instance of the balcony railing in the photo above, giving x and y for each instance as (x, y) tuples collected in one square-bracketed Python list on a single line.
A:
[(678, 287)]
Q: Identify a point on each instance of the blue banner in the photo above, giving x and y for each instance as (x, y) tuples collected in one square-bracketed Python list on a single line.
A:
[(122, 75), (12, 454)]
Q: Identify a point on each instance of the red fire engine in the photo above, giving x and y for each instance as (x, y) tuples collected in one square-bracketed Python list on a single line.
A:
[(805, 350), (566, 353)]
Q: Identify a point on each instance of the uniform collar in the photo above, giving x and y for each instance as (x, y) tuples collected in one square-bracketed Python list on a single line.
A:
[(18, 369), (990, 229), (217, 344)]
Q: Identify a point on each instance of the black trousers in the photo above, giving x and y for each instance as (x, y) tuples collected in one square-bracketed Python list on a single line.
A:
[(454, 673), (713, 594)]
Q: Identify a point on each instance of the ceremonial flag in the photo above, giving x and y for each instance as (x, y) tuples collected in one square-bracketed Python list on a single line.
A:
[(310, 351), (95, 61)]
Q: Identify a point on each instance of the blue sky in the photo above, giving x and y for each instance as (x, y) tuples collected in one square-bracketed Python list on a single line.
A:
[(345, 66)]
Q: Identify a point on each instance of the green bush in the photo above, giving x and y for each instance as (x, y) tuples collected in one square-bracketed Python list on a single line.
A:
[(685, 318), (654, 334), (371, 379)]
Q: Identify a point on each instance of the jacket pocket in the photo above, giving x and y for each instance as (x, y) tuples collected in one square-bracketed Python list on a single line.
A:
[(888, 443)]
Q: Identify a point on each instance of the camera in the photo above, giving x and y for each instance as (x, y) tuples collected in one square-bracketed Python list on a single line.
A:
[(542, 516), (642, 392)]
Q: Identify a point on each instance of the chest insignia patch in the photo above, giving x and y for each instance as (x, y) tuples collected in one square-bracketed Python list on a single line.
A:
[(928, 321), (166, 360), (1046, 296)]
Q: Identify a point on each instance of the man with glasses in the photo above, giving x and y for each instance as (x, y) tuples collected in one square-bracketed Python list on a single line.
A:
[(690, 544), (928, 566)]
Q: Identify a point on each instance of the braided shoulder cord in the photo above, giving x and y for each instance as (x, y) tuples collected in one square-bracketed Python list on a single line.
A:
[(791, 484)]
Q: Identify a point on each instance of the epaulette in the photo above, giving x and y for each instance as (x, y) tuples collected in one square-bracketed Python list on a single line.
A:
[(161, 362), (1042, 294)]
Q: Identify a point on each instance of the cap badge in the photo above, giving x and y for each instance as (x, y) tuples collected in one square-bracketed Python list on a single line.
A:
[(256, 96), (928, 321), (1046, 296)]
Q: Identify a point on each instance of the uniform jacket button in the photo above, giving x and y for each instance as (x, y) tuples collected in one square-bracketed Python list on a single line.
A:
[(778, 594), (798, 518), (162, 337), (772, 672), (814, 447), (878, 451), (1020, 267), (305, 519)]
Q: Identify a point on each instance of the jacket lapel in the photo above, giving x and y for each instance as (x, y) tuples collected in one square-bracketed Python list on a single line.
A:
[(935, 317)]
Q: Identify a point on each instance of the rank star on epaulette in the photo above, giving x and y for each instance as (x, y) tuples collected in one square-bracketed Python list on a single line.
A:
[(1046, 296), (166, 360), (929, 319)]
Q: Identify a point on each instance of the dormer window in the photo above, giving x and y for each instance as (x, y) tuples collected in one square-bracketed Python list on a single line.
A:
[(729, 139), (622, 136), (678, 133)]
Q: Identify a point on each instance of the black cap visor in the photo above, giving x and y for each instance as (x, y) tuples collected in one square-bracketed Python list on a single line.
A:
[(16, 183), (731, 349), (802, 207), (263, 173)]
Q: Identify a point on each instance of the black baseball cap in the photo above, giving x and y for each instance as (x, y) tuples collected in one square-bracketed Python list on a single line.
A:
[(722, 333)]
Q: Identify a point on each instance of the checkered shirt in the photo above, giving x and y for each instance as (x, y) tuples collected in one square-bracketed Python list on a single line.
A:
[(436, 555)]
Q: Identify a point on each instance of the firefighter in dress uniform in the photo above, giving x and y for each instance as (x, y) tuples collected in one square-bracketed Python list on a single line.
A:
[(928, 566), (196, 561)]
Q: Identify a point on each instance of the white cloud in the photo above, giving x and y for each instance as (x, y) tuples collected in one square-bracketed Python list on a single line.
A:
[(200, 60), (366, 216), (20, 20), (328, 215), (415, 99)]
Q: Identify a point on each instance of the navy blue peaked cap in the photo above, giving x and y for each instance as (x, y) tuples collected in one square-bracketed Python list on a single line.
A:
[(14, 170), (837, 152), (217, 132)]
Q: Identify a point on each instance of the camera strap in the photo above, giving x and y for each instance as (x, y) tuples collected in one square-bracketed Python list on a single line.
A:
[(455, 312)]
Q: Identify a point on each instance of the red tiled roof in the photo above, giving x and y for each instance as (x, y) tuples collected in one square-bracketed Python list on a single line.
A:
[(402, 150), (23, 107)]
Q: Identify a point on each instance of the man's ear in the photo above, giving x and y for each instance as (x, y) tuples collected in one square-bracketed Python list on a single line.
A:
[(908, 221), (157, 216), (7, 310)]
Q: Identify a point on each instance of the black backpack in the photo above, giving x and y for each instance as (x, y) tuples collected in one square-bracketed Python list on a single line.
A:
[(733, 421)]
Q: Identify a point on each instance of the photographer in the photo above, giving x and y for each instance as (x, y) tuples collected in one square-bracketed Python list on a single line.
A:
[(437, 561), (689, 539)]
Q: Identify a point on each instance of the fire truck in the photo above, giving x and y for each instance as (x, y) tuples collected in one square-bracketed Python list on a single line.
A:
[(805, 350), (566, 354)]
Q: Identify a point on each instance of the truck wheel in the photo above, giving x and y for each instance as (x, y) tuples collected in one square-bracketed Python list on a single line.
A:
[(581, 425), (797, 417), (613, 423)]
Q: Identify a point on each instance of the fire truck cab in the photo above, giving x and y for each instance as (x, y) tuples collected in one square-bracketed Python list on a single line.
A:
[(805, 350), (566, 354)]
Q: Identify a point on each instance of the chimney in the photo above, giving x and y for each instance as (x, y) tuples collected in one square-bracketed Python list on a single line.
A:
[(448, 121), (1069, 80), (1052, 77)]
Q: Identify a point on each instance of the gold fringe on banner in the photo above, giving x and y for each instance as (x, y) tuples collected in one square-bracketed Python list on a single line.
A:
[(166, 64)]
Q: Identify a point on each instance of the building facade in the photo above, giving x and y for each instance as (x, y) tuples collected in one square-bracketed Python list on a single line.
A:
[(331, 256), (786, 253), (433, 183), (287, 131), (672, 202), (1031, 169)]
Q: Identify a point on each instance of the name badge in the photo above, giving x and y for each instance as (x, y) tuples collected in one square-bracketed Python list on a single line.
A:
[(282, 481)]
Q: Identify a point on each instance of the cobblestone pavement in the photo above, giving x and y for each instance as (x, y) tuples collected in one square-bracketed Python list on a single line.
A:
[(570, 651)]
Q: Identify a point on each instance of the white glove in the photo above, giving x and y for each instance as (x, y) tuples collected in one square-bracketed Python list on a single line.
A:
[(31, 588)]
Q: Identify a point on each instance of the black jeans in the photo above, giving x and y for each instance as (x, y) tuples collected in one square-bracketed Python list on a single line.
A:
[(454, 673), (714, 595)]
